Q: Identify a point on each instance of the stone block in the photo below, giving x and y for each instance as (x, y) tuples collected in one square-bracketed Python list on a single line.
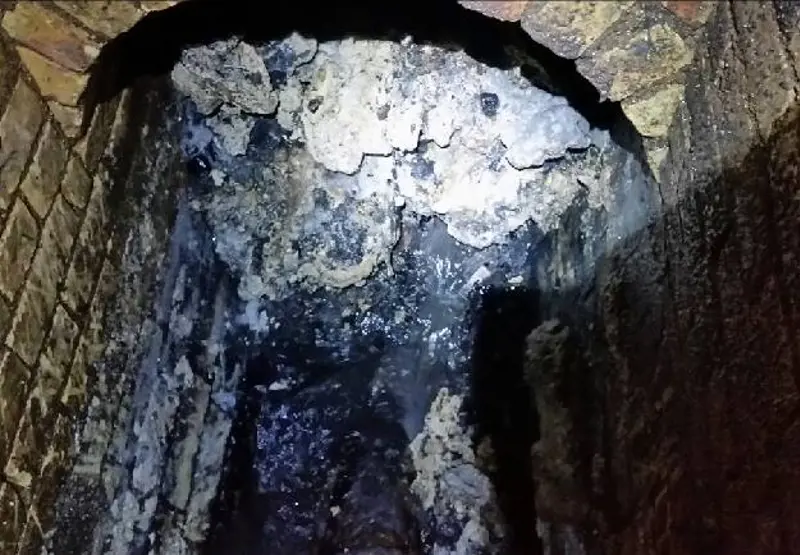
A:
[(693, 12), (120, 125), (726, 99), (52, 35), (569, 28), (17, 246), (28, 329), (44, 174), (9, 71), (656, 154), (68, 117), (505, 10), (55, 82), (5, 318), (94, 333), (106, 17), (92, 146), (49, 266), (156, 5), (77, 185), (74, 396), (59, 232), (14, 380), (13, 517), (27, 454), (653, 114), (19, 128), (55, 361), (89, 252), (636, 62)]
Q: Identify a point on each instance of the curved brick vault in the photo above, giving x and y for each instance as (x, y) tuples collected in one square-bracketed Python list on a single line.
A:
[(634, 52)]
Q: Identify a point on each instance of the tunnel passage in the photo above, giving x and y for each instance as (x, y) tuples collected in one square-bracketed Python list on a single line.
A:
[(370, 218), (393, 185), (663, 372)]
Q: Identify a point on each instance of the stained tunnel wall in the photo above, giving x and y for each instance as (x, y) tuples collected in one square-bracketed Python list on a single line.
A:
[(66, 205), (695, 315), (691, 446)]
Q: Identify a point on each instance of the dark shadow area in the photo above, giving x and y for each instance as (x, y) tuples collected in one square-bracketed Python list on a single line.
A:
[(296, 452), (502, 408), (154, 45), (686, 436)]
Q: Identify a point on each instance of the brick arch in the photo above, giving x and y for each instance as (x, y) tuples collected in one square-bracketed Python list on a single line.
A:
[(58, 41), (633, 52)]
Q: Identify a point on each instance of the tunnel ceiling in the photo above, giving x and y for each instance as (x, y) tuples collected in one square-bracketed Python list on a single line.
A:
[(633, 52)]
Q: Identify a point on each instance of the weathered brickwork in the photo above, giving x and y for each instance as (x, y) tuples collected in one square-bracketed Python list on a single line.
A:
[(58, 42), (53, 244), (638, 53), (698, 313)]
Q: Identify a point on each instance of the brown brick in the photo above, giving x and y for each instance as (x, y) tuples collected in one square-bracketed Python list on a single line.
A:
[(28, 328), (44, 175), (568, 28), (637, 61), (19, 127), (109, 18), (51, 35), (14, 380), (92, 146), (17, 246), (13, 516), (694, 12), (89, 251), (506, 10), (77, 184), (74, 395), (5, 318), (68, 117), (61, 229), (55, 82), (30, 446), (47, 271), (9, 71), (156, 5), (55, 361)]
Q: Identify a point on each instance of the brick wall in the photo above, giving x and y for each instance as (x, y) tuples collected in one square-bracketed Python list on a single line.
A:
[(702, 314), (61, 241), (685, 434), (53, 219), (59, 41)]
